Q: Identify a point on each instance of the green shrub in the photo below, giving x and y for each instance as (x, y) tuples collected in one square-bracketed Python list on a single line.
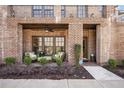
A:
[(122, 62), (77, 52), (10, 60), (112, 63), (27, 60), (53, 58), (58, 60), (42, 60)]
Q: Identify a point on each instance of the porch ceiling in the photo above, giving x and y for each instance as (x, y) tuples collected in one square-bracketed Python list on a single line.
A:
[(42, 26), (89, 26), (55, 26)]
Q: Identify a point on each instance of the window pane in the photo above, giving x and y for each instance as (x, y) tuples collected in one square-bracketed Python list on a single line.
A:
[(100, 9), (42, 10), (48, 50), (48, 45), (37, 44), (63, 10), (81, 11), (59, 44)]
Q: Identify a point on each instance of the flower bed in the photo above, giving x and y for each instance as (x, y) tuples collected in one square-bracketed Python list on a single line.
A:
[(47, 71)]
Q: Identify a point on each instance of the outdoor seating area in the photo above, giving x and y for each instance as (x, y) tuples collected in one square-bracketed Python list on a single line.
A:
[(39, 56)]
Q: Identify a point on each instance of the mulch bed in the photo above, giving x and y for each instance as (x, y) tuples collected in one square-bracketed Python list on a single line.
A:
[(21, 71), (119, 70)]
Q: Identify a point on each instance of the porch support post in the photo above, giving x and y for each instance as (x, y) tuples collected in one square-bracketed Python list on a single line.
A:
[(103, 42), (3, 29), (98, 44), (75, 36)]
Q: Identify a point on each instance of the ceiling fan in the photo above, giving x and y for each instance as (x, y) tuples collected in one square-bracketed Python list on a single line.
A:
[(48, 28)]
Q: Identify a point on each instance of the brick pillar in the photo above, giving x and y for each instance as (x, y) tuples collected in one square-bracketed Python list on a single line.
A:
[(110, 9), (57, 13), (98, 44), (106, 41), (75, 36), (103, 42), (20, 43), (3, 28), (8, 34)]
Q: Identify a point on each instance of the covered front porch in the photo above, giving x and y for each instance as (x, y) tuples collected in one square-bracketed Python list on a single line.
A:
[(45, 40), (52, 38)]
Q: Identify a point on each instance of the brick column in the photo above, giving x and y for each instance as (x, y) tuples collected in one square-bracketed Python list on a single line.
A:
[(75, 36), (110, 9), (20, 43), (3, 28), (103, 42), (98, 44), (57, 13), (106, 41), (8, 34)]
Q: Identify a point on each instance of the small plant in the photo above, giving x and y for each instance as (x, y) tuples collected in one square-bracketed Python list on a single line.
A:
[(58, 60), (122, 62), (42, 60), (112, 63), (10, 60), (77, 52), (27, 60)]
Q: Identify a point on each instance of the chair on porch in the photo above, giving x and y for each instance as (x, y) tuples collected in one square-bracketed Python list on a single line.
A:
[(32, 55)]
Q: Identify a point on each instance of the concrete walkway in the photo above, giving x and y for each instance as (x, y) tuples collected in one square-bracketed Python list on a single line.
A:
[(65, 83), (99, 73)]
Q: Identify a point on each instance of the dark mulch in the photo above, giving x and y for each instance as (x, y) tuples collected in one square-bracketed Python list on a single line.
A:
[(119, 70), (21, 71)]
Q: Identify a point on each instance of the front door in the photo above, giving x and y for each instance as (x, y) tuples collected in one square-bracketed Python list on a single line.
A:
[(85, 54)]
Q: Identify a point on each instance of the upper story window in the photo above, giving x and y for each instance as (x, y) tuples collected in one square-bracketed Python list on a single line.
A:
[(101, 9), (63, 11), (43, 10), (81, 11)]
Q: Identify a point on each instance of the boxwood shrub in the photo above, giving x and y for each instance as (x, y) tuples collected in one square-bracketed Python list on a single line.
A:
[(27, 60), (112, 63), (42, 60), (9, 60)]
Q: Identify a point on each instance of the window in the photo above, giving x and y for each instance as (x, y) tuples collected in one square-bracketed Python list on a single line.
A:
[(43, 10), (63, 11), (60, 44), (48, 45), (101, 10), (81, 11), (37, 44)]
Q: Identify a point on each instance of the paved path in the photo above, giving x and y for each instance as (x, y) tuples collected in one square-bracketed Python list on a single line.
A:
[(99, 73), (65, 83)]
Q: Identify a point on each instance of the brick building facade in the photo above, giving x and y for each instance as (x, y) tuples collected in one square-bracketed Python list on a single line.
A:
[(96, 28)]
